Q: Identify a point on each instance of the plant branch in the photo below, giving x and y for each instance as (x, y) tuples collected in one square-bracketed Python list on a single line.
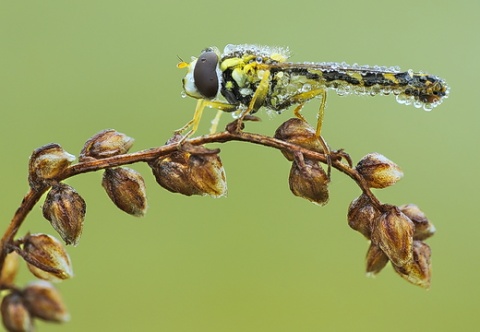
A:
[(33, 196)]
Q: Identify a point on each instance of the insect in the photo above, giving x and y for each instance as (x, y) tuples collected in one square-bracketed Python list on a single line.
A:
[(245, 78)]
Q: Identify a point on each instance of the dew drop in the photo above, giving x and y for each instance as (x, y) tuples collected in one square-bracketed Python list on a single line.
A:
[(341, 91), (417, 104), (306, 87), (387, 90), (428, 107), (409, 100), (401, 98)]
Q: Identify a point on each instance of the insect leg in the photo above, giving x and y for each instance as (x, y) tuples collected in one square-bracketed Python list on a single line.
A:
[(302, 98), (297, 111), (201, 104), (194, 122), (214, 122), (258, 98)]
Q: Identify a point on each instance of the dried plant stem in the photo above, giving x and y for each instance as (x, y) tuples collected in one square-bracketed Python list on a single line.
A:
[(34, 195)]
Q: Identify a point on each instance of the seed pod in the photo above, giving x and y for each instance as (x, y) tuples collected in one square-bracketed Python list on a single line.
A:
[(10, 269), (107, 143), (376, 260), (65, 209), (172, 173), (45, 302), (126, 188), (46, 257), (361, 215), (208, 175), (308, 180), (393, 233), (299, 132), (46, 163), (378, 171), (419, 270), (15, 315), (423, 227), (191, 174)]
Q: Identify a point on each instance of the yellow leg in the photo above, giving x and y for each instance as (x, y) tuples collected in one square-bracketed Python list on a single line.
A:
[(195, 120), (213, 127), (297, 111), (302, 98), (258, 98), (201, 104), (321, 112)]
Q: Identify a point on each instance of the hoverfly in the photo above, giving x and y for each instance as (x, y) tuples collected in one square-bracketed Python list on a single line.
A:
[(245, 78)]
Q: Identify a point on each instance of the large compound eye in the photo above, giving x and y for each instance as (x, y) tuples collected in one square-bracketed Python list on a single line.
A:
[(205, 74)]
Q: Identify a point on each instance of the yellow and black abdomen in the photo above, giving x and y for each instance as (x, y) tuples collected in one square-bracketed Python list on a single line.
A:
[(290, 80)]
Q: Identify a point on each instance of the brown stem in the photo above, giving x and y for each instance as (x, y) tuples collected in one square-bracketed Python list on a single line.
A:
[(28, 202), (33, 196)]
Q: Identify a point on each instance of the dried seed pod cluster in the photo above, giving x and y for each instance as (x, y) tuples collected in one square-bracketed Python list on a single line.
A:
[(395, 237), (192, 171), (38, 300), (307, 178), (396, 233)]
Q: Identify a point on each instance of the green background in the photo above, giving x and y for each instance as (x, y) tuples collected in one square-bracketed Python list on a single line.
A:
[(260, 259)]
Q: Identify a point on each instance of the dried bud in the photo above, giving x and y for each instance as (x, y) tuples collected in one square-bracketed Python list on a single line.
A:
[(15, 315), (10, 269), (107, 143), (65, 209), (172, 173), (126, 189), (308, 180), (299, 132), (419, 270), (208, 175), (393, 233), (361, 215), (376, 260), (46, 257), (423, 227), (378, 171), (45, 302), (191, 174), (46, 163)]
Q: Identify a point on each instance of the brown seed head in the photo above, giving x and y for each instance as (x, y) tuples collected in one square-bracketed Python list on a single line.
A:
[(107, 143), (46, 163), (45, 302), (126, 188), (308, 180), (208, 175), (15, 315), (65, 209), (10, 269), (191, 174), (46, 257), (378, 171), (299, 132), (423, 227), (419, 270), (376, 260), (361, 215), (393, 233)]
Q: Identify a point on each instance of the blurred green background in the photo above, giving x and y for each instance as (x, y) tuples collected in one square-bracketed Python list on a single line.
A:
[(260, 259)]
